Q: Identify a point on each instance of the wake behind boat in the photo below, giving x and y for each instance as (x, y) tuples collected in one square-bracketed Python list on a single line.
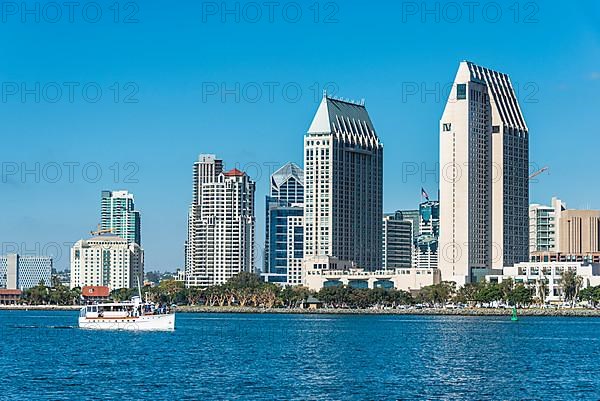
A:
[(129, 315)]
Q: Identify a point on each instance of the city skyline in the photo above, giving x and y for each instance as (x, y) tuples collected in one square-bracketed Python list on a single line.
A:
[(405, 89)]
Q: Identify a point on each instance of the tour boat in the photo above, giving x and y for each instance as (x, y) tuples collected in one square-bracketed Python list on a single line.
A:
[(130, 315)]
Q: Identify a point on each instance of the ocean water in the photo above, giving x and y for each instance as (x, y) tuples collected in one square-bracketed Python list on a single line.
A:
[(43, 356)]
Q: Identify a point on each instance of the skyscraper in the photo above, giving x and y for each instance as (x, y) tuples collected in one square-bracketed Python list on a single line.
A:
[(343, 161), (220, 224), (484, 161), (119, 215), (284, 231)]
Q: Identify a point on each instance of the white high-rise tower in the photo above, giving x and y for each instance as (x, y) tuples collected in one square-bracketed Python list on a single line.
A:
[(220, 224), (343, 197), (484, 161)]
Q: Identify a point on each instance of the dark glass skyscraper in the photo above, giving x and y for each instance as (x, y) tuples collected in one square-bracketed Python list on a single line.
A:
[(284, 229)]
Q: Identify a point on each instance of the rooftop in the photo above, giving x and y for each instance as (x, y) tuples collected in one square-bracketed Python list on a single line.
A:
[(342, 116), (95, 291)]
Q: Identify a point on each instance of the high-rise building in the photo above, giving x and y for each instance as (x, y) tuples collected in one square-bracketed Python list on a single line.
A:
[(220, 224), (426, 243), (543, 226), (397, 241), (343, 199), (21, 272), (107, 260), (284, 231), (119, 215), (484, 161)]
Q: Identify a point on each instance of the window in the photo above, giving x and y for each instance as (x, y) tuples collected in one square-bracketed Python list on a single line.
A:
[(461, 91)]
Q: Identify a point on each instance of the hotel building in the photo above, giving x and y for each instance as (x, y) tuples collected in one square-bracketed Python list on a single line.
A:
[(343, 200), (484, 161), (107, 260), (220, 224)]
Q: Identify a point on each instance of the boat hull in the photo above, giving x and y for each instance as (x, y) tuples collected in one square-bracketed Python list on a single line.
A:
[(142, 323)]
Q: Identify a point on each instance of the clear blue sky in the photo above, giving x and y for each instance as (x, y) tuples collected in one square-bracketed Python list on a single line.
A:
[(178, 55)]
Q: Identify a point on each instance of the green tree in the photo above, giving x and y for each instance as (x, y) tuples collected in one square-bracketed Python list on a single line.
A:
[(571, 285), (520, 295)]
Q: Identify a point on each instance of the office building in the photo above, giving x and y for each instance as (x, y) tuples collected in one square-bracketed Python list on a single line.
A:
[(284, 227), (426, 243), (220, 224), (397, 242), (484, 161), (107, 260), (343, 199), (579, 231), (21, 272), (119, 217)]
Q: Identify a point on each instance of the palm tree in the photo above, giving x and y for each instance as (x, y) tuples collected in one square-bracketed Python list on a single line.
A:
[(542, 288)]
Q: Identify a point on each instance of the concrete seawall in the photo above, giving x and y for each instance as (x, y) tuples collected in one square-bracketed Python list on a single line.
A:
[(429, 311)]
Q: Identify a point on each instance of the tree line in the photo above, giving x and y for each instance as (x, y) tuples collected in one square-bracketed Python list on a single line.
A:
[(248, 290)]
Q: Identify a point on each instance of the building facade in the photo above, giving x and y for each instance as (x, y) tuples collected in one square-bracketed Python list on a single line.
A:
[(19, 272), (579, 231), (284, 231), (411, 279), (484, 161), (118, 215), (426, 243), (397, 242), (343, 162), (546, 277), (544, 227), (107, 260), (221, 224)]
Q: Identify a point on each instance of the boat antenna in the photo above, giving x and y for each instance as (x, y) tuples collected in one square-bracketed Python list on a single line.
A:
[(139, 288)]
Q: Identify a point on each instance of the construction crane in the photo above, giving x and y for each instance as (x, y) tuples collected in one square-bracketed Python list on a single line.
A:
[(540, 171), (100, 231)]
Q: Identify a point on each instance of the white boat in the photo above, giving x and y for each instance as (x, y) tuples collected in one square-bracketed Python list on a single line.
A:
[(131, 315)]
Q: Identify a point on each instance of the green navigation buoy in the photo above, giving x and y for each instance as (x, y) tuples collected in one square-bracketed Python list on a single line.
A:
[(514, 317)]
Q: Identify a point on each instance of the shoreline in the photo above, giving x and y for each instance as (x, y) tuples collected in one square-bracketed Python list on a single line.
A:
[(326, 311)]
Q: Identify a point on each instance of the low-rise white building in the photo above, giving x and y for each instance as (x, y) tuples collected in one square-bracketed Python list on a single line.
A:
[(106, 260), (548, 274), (407, 279)]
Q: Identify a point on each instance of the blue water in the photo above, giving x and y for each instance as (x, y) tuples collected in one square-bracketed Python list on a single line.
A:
[(302, 357)]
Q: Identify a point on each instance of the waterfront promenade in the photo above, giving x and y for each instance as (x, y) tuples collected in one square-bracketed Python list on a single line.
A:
[(570, 312)]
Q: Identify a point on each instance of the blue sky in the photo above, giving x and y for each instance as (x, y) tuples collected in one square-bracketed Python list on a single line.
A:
[(144, 98)]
